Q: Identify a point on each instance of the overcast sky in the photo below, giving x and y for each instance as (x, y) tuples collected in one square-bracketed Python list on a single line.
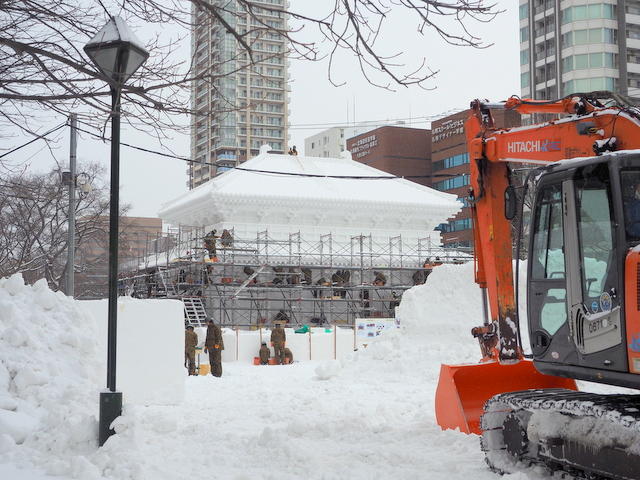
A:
[(147, 180)]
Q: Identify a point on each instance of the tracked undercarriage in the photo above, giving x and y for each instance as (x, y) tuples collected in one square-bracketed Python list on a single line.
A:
[(583, 435)]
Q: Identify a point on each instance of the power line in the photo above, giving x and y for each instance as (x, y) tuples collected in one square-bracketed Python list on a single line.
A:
[(271, 172), (34, 139)]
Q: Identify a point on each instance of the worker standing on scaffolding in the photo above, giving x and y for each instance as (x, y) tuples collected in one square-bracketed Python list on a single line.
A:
[(278, 341), (226, 240), (214, 345), (210, 244)]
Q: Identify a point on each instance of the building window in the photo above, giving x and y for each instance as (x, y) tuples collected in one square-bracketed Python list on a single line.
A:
[(589, 85), (589, 35), (524, 56), (633, 55), (524, 11), (588, 12), (589, 60), (451, 183), (450, 162), (524, 79), (524, 34), (456, 225), (632, 8)]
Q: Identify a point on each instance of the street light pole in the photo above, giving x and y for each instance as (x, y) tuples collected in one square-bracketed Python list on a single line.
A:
[(111, 401), (118, 54), (71, 238), (114, 221)]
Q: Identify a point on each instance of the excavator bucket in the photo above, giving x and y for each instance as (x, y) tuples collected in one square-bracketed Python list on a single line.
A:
[(464, 389)]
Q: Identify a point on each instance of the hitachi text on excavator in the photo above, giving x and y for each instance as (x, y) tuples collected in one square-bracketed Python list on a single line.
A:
[(582, 292)]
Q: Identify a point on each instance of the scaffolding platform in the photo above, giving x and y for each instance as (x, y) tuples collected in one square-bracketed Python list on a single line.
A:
[(319, 281)]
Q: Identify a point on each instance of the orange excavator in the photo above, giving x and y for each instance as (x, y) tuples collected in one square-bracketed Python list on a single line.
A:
[(583, 290)]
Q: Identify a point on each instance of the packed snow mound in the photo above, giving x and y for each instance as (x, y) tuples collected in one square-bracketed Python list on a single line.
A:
[(48, 390), (435, 327), (328, 369)]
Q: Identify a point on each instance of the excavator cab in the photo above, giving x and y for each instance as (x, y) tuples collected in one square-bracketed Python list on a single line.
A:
[(583, 270)]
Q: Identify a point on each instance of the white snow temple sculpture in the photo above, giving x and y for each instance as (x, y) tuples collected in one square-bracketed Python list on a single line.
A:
[(299, 228)]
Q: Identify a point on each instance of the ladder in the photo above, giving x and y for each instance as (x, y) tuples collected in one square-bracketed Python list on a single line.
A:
[(194, 313), (167, 287)]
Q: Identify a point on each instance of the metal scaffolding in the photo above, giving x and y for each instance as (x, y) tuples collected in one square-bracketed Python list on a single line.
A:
[(249, 282)]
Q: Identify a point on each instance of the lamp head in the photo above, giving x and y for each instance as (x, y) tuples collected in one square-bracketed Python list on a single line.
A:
[(116, 51)]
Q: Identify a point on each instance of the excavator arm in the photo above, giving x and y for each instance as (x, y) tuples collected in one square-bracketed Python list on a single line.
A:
[(590, 129), (587, 129)]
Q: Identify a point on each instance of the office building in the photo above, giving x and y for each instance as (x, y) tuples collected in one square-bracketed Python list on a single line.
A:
[(450, 170), (404, 152), (246, 105), (569, 46)]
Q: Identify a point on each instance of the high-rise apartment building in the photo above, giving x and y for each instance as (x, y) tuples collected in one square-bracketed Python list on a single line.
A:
[(246, 105), (569, 46)]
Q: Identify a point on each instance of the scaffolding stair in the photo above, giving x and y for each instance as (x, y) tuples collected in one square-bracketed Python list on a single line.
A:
[(194, 313)]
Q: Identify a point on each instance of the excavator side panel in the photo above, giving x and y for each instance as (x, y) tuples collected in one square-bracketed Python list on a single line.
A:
[(632, 308)]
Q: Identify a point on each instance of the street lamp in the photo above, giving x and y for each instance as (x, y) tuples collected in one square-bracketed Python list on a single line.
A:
[(117, 53)]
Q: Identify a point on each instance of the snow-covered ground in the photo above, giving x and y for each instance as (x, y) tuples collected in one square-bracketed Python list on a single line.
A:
[(370, 416)]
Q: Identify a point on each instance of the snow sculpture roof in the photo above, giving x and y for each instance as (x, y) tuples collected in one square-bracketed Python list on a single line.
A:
[(251, 201)]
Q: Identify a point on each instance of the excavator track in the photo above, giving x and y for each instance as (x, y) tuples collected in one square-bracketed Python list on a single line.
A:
[(575, 435)]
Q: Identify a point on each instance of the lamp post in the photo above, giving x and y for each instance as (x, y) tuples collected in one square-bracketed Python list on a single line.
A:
[(118, 54)]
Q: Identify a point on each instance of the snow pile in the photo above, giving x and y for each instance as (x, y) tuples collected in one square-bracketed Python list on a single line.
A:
[(48, 387), (328, 369), (53, 366), (369, 416), (435, 327)]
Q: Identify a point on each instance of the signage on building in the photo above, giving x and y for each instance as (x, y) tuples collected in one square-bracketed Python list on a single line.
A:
[(363, 146), (447, 129)]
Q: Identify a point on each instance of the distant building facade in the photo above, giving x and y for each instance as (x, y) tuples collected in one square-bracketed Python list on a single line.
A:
[(450, 168), (137, 239), (246, 106), (403, 152), (328, 143)]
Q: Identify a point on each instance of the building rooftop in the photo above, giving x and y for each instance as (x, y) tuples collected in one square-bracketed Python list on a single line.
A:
[(310, 194)]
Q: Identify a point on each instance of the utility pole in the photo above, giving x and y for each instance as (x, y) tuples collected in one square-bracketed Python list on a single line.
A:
[(71, 240)]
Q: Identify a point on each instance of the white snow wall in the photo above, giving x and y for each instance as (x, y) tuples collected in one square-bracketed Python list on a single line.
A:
[(318, 344), (150, 349)]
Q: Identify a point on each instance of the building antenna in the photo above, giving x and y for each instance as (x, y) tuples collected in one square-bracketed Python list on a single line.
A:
[(354, 112), (347, 112)]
